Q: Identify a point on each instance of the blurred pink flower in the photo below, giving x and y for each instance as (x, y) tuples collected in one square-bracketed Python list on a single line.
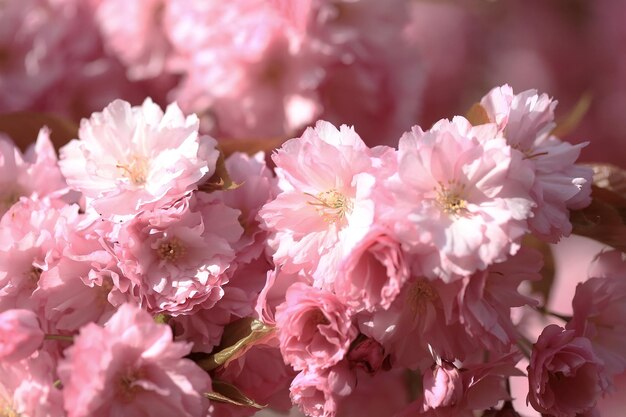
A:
[(138, 369)]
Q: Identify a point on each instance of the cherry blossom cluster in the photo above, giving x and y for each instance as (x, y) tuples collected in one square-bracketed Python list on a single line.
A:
[(145, 272)]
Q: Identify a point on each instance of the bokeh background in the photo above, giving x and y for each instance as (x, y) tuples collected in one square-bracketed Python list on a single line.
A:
[(256, 69)]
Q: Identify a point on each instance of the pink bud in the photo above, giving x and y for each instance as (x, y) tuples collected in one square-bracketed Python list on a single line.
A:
[(20, 334), (442, 386)]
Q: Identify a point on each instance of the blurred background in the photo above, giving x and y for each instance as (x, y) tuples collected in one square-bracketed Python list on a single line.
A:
[(268, 68)]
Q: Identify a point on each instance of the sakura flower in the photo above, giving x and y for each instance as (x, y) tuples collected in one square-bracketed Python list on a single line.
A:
[(176, 257), (32, 237), (318, 392), (323, 209), (442, 386), (257, 187), (130, 159), (315, 328), (526, 121), (462, 197), (422, 314), (373, 273), (487, 298), (599, 306), (34, 173), (20, 334), (565, 376), (139, 369), (481, 386)]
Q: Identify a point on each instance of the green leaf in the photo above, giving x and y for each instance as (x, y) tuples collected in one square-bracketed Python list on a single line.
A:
[(238, 338), (23, 128), (220, 180), (229, 394)]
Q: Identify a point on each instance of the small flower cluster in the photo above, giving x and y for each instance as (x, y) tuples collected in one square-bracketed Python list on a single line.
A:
[(128, 266)]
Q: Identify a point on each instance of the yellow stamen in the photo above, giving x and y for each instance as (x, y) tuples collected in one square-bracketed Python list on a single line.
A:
[(136, 170), (171, 250), (450, 198), (331, 205)]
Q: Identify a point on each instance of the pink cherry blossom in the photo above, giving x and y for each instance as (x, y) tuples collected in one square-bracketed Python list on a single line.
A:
[(372, 274), (482, 387), (177, 257), (318, 392), (599, 306), (32, 237), (315, 328), (257, 186), (442, 386), (526, 121), (130, 159), (565, 376), (323, 209), (422, 314), (20, 334), (462, 197), (487, 298), (139, 369)]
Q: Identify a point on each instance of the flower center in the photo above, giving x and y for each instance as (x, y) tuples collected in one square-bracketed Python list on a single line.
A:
[(135, 170), (317, 318), (450, 198), (126, 387), (171, 250), (8, 411), (331, 205), (420, 293)]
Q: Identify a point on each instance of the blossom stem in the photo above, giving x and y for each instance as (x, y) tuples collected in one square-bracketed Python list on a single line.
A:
[(545, 311), (61, 337)]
